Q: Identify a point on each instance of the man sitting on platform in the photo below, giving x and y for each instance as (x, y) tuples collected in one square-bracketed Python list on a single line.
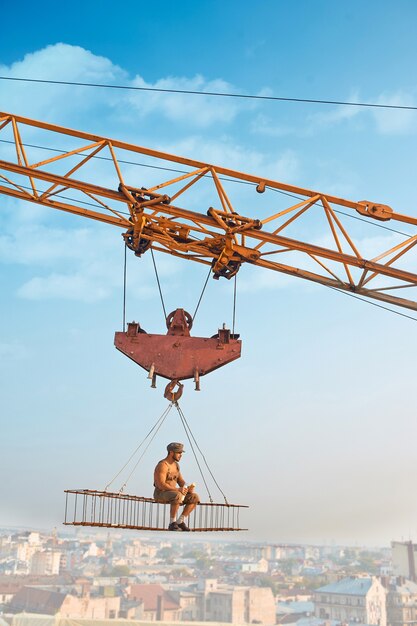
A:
[(167, 476)]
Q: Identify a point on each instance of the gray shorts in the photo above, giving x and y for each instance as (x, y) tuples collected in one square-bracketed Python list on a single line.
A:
[(170, 497)]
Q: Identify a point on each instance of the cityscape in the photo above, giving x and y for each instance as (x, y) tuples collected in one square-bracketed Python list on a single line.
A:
[(89, 576)]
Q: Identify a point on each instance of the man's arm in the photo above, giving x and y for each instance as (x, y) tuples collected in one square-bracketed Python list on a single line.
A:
[(180, 481)]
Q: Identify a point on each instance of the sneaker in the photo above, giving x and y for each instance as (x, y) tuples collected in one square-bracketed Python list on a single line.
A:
[(174, 526), (183, 526)]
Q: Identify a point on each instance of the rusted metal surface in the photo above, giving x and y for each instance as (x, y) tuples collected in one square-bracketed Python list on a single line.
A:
[(217, 236), (103, 509), (171, 394), (177, 356)]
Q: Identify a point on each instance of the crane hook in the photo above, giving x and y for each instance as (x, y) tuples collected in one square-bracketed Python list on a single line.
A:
[(172, 395)]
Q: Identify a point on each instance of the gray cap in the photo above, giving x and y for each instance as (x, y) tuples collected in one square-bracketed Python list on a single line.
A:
[(175, 447)]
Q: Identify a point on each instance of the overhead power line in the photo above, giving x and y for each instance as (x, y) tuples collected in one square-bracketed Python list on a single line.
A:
[(221, 94)]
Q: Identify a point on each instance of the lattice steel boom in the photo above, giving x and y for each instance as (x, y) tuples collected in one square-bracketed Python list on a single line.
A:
[(219, 236)]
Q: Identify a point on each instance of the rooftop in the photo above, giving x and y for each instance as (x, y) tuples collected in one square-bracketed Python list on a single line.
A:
[(348, 586)]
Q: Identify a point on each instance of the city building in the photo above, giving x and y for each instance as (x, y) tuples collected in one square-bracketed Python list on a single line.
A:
[(158, 604), (402, 602), (7, 591), (49, 602), (238, 605), (353, 599), (45, 562), (404, 559)]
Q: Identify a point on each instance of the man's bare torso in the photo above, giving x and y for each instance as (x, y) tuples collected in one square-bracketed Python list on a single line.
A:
[(167, 472)]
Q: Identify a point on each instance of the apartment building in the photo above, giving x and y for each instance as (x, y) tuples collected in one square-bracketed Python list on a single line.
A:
[(402, 602), (404, 558), (157, 603), (353, 599), (45, 562), (237, 605), (50, 602)]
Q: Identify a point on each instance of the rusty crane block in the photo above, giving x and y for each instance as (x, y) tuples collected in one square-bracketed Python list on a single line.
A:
[(177, 356)]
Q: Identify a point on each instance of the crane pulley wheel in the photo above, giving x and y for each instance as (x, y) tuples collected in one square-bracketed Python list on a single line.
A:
[(187, 316), (140, 246)]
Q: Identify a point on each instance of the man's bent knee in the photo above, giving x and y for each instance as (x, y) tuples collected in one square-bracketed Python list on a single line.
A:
[(191, 498)]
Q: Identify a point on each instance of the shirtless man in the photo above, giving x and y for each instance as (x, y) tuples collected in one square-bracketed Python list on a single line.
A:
[(167, 476)]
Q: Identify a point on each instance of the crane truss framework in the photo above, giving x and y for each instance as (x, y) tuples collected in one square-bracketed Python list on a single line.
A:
[(104, 509), (220, 236)]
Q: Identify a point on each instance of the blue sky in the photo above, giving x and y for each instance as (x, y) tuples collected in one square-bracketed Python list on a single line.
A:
[(315, 426)]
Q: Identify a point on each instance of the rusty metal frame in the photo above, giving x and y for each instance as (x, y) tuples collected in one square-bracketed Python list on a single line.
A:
[(220, 237), (104, 509)]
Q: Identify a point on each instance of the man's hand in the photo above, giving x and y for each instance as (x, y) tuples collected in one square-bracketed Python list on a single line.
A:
[(183, 490)]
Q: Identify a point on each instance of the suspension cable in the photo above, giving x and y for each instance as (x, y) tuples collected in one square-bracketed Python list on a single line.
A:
[(155, 428), (124, 290), (202, 293), (234, 305), (159, 284), (188, 432), (193, 451)]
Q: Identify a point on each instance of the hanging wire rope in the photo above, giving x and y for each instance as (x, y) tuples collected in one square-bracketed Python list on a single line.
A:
[(234, 305), (189, 433), (160, 289), (159, 284), (212, 93), (193, 451), (124, 288), (155, 428), (202, 293)]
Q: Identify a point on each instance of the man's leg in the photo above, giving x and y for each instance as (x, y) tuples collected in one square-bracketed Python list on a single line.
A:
[(191, 501), (173, 498), (189, 508), (174, 506), (174, 510)]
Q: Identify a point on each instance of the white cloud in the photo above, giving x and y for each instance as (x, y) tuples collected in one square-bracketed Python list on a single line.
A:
[(87, 262), (332, 115), (395, 122), (71, 287), (42, 246), (266, 126), (312, 123), (65, 62), (196, 110), (63, 260), (226, 153), (259, 279), (387, 121), (61, 62)]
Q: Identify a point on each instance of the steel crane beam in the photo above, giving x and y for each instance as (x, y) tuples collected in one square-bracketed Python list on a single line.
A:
[(218, 236)]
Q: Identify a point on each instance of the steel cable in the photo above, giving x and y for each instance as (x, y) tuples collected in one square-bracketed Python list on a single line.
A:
[(202, 293), (159, 284), (156, 426), (218, 94), (187, 426)]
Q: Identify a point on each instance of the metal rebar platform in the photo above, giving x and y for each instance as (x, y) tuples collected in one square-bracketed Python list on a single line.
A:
[(85, 507)]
